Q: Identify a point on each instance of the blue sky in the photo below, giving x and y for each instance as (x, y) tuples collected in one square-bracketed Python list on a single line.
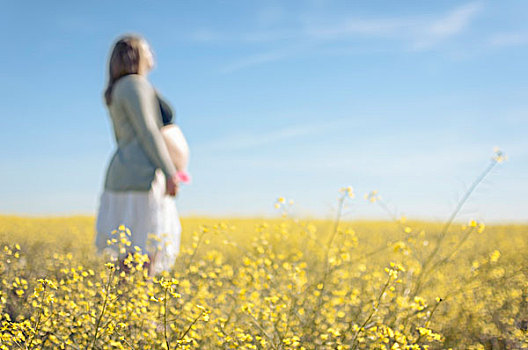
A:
[(293, 99)]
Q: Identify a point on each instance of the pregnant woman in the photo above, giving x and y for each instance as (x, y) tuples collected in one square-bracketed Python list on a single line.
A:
[(141, 178)]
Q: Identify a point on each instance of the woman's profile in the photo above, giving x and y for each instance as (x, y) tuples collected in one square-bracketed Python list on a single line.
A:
[(141, 177)]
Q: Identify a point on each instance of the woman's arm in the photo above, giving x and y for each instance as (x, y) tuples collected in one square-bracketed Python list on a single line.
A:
[(142, 105)]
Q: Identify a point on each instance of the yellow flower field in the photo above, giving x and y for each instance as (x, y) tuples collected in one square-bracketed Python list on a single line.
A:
[(268, 284)]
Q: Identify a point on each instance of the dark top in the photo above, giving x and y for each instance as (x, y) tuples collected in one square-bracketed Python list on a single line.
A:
[(167, 114)]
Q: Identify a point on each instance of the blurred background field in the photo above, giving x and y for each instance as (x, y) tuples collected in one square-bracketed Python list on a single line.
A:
[(271, 284)]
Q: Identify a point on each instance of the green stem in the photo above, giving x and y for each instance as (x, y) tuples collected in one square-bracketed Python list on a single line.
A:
[(195, 250), (326, 256), (449, 222), (453, 252), (107, 292), (372, 312), (426, 324), (37, 323), (257, 323), (189, 328), (165, 320)]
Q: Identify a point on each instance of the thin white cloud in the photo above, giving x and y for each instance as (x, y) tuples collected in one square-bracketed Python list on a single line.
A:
[(354, 27), (249, 139), (508, 39), (420, 32), (251, 37), (256, 59), (315, 28), (450, 25), (456, 21), (417, 33), (263, 57)]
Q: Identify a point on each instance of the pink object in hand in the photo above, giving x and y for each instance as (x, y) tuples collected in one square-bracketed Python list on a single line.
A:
[(184, 177)]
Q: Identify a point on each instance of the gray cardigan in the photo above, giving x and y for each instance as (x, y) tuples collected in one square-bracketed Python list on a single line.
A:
[(137, 121)]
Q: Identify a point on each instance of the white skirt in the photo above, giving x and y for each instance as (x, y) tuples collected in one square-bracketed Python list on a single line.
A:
[(151, 216)]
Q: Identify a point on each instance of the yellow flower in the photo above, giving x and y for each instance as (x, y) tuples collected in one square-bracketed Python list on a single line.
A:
[(494, 257)]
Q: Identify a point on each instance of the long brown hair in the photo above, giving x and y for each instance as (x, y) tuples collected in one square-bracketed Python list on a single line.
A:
[(126, 58)]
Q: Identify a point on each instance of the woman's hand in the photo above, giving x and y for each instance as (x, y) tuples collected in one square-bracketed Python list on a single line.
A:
[(173, 185)]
